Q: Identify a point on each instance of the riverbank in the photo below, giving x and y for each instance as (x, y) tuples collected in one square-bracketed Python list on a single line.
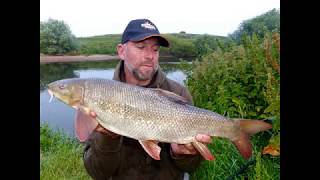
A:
[(60, 156), (81, 58)]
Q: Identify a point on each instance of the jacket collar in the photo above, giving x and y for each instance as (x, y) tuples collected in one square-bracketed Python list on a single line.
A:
[(157, 81)]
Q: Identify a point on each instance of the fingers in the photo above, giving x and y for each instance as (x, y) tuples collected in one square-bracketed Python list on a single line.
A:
[(190, 148), (183, 149), (204, 138)]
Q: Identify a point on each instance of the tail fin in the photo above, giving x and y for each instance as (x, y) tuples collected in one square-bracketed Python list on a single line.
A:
[(252, 127), (243, 144), (249, 127)]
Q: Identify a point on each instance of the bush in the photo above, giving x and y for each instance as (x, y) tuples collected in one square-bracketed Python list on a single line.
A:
[(207, 44), (231, 82), (243, 82), (56, 38)]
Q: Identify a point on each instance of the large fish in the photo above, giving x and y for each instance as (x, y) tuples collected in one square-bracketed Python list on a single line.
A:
[(149, 115)]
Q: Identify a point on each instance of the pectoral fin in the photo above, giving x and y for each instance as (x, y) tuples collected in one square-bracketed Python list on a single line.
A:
[(203, 150), (84, 125), (152, 148)]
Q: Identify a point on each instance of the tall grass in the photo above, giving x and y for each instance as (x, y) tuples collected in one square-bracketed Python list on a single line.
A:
[(60, 156)]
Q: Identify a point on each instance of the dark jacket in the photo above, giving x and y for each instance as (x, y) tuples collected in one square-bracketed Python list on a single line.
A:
[(109, 157)]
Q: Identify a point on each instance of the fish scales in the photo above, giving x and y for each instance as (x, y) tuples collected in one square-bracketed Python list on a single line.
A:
[(142, 113)]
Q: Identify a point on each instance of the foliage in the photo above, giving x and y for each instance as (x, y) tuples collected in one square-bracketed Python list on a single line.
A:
[(272, 92), (181, 44), (233, 80), (207, 44), (56, 38), (267, 22), (241, 82)]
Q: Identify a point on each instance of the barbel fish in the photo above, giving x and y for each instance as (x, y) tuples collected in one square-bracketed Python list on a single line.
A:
[(150, 115)]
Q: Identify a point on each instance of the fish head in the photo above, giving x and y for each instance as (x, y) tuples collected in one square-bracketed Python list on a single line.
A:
[(69, 91)]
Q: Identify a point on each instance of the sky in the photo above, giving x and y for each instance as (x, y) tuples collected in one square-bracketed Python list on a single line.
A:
[(99, 17)]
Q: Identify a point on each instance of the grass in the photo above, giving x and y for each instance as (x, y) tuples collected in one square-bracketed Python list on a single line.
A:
[(231, 166), (99, 44), (60, 156)]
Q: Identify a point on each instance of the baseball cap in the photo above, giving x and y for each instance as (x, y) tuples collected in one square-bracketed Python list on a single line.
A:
[(140, 29)]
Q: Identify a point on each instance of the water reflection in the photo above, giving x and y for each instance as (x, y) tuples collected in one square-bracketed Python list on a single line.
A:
[(60, 116)]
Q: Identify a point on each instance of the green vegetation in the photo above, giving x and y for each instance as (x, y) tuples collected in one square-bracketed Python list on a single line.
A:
[(207, 44), (241, 82), (267, 22), (99, 44), (56, 38), (181, 45), (60, 156)]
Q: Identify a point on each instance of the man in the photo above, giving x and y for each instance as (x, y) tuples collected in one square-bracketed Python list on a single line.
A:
[(111, 156)]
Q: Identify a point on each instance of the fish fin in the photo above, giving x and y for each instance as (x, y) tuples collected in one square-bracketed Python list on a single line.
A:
[(243, 144), (203, 150), (152, 148), (248, 127), (172, 96), (84, 125), (253, 126)]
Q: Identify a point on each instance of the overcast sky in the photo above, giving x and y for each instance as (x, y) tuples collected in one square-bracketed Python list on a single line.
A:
[(99, 17)]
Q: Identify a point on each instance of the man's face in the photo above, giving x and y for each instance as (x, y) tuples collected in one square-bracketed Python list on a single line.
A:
[(141, 58)]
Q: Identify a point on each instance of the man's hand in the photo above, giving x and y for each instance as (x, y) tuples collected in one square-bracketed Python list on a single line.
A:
[(101, 129), (180, 149)]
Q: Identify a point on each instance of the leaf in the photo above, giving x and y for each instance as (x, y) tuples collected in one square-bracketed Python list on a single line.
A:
[(236, 100), (258, 108), (272, 150)]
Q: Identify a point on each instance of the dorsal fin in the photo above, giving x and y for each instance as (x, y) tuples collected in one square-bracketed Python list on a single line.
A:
[(172, 96)]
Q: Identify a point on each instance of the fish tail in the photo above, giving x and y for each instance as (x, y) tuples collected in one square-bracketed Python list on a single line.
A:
[(249, 127)]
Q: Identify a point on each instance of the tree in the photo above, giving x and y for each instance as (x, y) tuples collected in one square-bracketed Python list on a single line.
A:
[(206, 44), (267, 22), (56, 38)]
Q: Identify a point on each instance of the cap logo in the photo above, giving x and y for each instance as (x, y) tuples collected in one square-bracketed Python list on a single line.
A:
[(147, 25)]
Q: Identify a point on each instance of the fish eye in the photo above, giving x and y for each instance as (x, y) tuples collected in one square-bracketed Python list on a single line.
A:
[(62, 86)]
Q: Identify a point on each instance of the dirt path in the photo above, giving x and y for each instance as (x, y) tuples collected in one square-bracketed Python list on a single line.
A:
[(53, 59)]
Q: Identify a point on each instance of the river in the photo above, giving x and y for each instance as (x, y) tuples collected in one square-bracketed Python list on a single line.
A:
[(58, 115)]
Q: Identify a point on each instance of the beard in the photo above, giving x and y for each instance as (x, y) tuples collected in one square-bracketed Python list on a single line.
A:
[(142, 75)]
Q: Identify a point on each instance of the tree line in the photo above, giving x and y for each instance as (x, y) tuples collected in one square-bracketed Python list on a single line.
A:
[(57, 38)]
